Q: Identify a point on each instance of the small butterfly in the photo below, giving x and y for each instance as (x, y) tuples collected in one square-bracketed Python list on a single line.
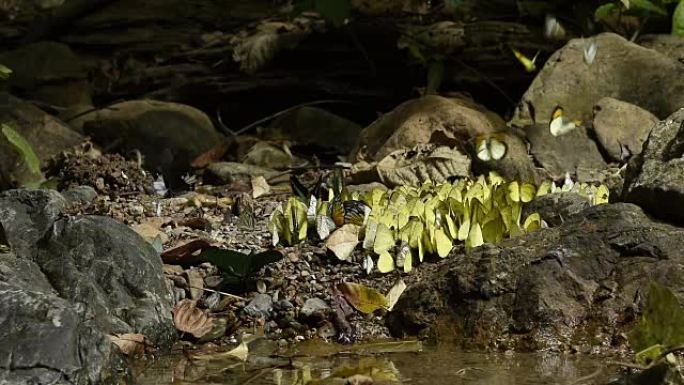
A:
[(560, 124), (490, 148), (529, 64), (351, 211), (553, 30), (590, 52)]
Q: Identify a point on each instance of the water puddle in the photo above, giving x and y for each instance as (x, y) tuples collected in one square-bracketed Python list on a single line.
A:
[(431, 366)]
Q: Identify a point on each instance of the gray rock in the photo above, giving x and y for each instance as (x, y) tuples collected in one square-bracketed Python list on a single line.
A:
[(313, 305), (621, 69), (227, 172), (621, 128), (557, 208), (47, 135), (259, 306), (564, 153), (549, 288), (655, 178), (68, 283), (80, 195)]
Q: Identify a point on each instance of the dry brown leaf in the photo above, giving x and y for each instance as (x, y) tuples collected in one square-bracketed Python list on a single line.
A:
[(394, 293), (189, 319), (212, 155), (343, 241), (259, 186), (129, 343)]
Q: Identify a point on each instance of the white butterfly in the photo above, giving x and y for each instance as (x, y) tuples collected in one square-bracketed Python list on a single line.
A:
[(553, 30), (590, 52), (560, 125), (491, 149)]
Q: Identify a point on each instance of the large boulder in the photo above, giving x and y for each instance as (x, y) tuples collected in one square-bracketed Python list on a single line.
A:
[(621, 70), (548, 289), (168, 135), (565, 153), (621, 128), (47, 135), (68, 284), (430, 119), (655, 178)]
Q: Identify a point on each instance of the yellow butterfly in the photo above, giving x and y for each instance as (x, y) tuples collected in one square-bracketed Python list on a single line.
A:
[(529, 64)]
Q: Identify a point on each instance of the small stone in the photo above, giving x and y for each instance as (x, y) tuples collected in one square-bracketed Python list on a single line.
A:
[(259, 306), (172, 269), (313, 305), (213, 281), (136, 210), (305, 273), (293, 257)]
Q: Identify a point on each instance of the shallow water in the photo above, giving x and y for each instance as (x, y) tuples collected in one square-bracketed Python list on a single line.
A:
[(433, 366)]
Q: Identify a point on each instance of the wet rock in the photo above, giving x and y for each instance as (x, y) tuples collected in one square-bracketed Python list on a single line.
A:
[(564, 153), (655, 178), (47, 135), (49, 72), (260, 306), (621, 128), (646, 78), (68, 283), (543, 290), (168, 135), (430, 119), (303, 127)]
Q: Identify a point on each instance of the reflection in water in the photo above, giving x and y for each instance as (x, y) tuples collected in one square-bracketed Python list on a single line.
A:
[(431, 367)]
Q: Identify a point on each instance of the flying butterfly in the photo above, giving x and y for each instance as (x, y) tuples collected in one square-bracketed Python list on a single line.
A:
[(553, 30), (529, 64), (490, 148), (560, 124)]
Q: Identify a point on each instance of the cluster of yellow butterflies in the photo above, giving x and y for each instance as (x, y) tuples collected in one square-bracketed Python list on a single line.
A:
[(402, 225)]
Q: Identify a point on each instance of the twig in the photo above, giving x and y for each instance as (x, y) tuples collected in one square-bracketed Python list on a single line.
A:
[(219, 292)]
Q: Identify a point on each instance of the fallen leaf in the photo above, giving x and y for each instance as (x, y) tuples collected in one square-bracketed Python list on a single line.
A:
[(363, 298), (343, 241), (196, 283), (189, 319), (259, 186), (240, 352), (129, 343), (394, 294), (212, 155)]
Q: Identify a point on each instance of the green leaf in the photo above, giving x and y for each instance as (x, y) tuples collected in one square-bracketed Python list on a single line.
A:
[(661, 323), (605, 11), (648, 6), (678, 20), (237, 265), (26, 151)]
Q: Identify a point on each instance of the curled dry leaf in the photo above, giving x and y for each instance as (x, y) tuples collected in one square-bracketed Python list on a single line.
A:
[(394, 294), (189, 319), (129, 343), (363, 298), (240, 352), (259, 186), (343, 241), (185, 254)]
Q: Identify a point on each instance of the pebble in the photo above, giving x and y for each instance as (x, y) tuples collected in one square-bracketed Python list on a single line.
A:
[(260, 306), (313, 305), (213, 281)]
